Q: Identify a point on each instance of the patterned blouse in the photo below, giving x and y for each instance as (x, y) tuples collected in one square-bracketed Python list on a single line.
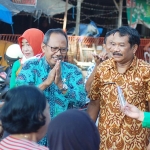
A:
[(34, 72), (89, 71), (118, 131)]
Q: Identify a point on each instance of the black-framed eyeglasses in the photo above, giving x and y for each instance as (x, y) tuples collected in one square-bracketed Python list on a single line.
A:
[(56, 49)]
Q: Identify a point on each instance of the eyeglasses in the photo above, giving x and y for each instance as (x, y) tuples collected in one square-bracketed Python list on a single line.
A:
[(56, 49)]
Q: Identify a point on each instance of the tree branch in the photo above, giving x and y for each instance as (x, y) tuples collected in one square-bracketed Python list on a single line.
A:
[(117, 6)]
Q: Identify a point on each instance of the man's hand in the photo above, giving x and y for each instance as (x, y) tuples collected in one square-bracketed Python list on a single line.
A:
[(100, 57), (49, 80), (51, 77), (57, 79)]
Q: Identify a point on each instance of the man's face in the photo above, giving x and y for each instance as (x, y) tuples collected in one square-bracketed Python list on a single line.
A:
[(121, 49), (108, 45), (56, 40)]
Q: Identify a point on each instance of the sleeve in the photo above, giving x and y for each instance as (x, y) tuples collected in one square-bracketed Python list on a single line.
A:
[(26, 75), (146, 121), (15, 68), (95, 92), (76, 91), (89, 71)]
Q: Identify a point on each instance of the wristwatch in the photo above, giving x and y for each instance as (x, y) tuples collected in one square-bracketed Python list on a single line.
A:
[(64, 88)]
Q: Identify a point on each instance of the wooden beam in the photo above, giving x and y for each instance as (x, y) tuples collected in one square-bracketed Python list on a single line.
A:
[(78, 16), (117, 6), (65, 16), (120, 13)]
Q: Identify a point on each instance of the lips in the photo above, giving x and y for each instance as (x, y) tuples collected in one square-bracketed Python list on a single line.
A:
[(27, 54)]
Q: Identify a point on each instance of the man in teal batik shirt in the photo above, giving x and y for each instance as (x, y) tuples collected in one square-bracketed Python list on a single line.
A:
[(60, 81)]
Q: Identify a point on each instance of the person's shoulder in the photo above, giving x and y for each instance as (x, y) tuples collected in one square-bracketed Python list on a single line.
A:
[(17, 63), (142, 63), (33, 62)]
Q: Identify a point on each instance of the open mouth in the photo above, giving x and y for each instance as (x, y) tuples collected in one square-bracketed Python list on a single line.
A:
[(57, 58)]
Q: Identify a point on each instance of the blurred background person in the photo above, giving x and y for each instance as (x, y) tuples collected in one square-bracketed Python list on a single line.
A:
[(25, 116), (30, 43), (73, 130), (105, 54)]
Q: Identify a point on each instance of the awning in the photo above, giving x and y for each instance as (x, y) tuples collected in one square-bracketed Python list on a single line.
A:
[(47, 7), (6, 16)]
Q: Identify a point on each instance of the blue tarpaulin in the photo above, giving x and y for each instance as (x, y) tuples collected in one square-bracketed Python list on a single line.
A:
[(5, 15), (87, 30)]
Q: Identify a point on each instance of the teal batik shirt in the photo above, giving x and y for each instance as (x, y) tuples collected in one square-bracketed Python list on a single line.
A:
[(35, 71)]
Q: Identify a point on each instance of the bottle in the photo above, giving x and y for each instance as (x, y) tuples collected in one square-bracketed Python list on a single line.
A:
[(121, 98)]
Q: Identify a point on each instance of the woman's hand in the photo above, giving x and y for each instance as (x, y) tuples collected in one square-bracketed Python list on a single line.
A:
[(148, 147), (133, 112)]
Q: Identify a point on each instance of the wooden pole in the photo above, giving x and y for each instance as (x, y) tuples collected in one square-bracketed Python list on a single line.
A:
[(78, 16), (120, 13), (119, 8), (65, 16)]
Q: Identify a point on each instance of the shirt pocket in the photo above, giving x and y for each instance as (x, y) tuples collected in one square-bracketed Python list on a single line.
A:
[(136, 91), (108, 92)]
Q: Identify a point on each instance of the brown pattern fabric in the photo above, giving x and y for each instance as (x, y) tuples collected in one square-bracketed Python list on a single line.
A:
[(118, 131)]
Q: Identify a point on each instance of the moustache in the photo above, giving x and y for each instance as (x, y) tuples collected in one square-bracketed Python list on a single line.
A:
[(116, 53)]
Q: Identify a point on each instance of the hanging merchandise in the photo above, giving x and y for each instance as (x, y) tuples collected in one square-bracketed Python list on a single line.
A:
[(73, 12), (25, 2), (138, 12)]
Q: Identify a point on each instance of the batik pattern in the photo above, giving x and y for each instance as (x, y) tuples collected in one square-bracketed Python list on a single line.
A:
[(117, 131), (34, 72)]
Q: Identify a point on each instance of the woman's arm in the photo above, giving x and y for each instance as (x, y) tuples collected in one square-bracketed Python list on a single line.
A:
[(133, 112), (146, 121), (15, 68)]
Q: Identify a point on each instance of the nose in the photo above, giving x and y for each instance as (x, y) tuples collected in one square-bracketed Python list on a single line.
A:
[(116, 48), (25, 48)]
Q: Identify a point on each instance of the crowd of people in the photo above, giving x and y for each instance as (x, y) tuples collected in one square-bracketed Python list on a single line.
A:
[(35, 112)]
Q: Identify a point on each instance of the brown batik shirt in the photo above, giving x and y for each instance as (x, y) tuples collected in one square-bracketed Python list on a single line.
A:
[(117, 131)]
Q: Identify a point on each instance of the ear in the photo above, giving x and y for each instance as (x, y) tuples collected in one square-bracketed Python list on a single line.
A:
[(43, 47), (134, 48)]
